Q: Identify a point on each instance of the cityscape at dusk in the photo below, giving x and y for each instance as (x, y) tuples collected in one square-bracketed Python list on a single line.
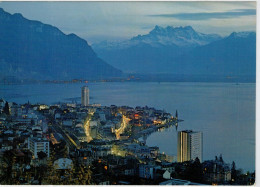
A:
[(128, 93)]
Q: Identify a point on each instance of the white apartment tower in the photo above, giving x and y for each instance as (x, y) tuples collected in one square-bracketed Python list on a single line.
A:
[(36, 145), (84, 96), (190, 146)]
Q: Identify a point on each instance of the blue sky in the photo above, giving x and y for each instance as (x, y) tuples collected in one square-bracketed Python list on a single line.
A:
[(98, 21)]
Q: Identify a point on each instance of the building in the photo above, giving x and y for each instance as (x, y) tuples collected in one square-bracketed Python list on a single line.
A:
[(63, 164), (216, 171), (84, 96), (189, 146), (147, 171), (162, 174), (36, 145), (84, 157)]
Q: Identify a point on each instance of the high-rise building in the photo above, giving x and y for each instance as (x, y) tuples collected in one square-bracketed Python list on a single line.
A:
[(84, 96), (190, 145), (36, 145)]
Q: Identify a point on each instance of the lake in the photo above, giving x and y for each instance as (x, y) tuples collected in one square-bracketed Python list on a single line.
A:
[(224, 112)]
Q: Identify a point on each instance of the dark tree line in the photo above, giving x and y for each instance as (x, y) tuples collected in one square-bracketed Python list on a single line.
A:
[(6, 109)]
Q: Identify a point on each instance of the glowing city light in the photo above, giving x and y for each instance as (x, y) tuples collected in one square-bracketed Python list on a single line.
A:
[(87, 126), (123, 126)]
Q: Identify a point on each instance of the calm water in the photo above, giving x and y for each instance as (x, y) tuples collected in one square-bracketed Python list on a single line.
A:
[(224, 112)]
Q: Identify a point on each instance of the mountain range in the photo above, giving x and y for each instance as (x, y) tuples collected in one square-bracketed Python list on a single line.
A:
[(33, 50), (168, 36), (183, 51)]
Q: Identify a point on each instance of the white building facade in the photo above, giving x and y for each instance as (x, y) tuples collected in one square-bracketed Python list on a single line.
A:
[(84, 96), (190, 146), (36, 145)]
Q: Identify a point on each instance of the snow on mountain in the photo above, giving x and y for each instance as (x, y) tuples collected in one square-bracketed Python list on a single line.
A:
[(168, 36)]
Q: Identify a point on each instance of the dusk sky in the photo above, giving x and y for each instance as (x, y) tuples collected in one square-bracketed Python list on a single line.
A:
[(98, 21)]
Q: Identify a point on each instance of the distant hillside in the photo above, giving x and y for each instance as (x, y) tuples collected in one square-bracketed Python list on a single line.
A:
[(159, 36), (183, 51), (147, 53), (232, 56), (33, 50)]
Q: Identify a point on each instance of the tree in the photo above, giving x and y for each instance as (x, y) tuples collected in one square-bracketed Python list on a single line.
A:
[(7, 164), (220, 158), (84, 175), (6, 109), (194, 171), (233, 172), (88, 175), (41, 155)]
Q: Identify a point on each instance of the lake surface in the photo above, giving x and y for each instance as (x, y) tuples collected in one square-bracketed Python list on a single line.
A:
[(224, 112)]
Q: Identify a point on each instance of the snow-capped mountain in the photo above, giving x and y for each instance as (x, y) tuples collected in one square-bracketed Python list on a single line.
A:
[(180, 36), (168, 36), (182, 50)]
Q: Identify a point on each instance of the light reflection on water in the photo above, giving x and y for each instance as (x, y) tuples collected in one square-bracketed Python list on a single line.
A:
[(224, 112)]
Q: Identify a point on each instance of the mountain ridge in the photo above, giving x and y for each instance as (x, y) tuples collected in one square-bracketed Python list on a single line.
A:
[(45, 52), (42, 51), (178, 36), (182, 59), (234, 55)]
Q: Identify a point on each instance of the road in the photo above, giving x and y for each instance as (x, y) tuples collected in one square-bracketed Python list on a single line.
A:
[(70, 142), (87, 126), (121, 130)]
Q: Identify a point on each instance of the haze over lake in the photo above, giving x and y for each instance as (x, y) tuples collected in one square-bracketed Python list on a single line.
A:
[(224, 112)]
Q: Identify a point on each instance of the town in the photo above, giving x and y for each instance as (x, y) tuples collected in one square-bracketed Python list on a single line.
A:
[(70, 143)]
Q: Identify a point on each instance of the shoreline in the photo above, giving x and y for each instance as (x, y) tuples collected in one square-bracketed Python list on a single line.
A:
[(154, 129)]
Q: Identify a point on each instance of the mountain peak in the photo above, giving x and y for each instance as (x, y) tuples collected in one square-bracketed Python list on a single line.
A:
[(180, 36), (18, 15), (157, 29), (3, 12), (244, 34), (188, 27), (45, 52)]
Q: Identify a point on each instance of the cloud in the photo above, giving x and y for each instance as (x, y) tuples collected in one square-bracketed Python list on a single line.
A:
[(209, 15)]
